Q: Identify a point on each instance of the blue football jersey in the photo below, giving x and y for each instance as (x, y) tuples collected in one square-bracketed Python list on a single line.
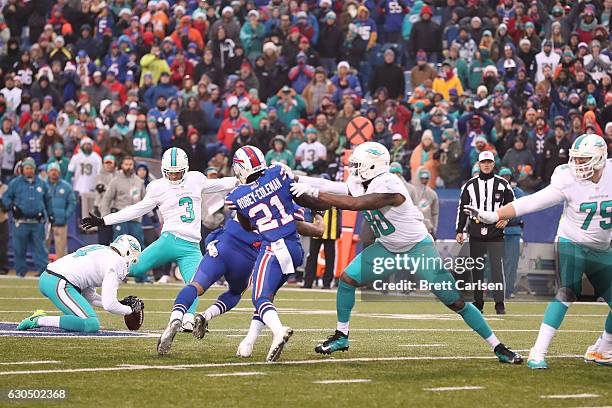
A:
[(268, 204)]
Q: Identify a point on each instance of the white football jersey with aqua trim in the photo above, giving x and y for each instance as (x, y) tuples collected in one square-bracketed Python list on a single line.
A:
[(397, 228), (180, 204), (87, 267), (587, 213)]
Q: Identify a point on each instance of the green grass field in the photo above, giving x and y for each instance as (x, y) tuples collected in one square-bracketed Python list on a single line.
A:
[(399, 351)]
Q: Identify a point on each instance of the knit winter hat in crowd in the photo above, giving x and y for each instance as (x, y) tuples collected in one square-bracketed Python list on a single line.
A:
[(395, 168), (424, 173), (53, 166), (109, 158), (426, 10), (28, 161), (504, 171), (343, 64)]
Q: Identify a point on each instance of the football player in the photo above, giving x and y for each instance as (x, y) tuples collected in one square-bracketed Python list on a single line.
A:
[(179, 198), (231, 253), (584, 185), (71, 282), (265, 204), (398, 225)]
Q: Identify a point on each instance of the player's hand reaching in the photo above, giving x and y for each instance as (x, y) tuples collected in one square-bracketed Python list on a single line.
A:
[(211, 248), (299, 189), (92, 221), (488, 217), (136, 304)]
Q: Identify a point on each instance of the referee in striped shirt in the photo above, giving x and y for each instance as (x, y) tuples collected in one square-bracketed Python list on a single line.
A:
[(332, 219), (489, 192)]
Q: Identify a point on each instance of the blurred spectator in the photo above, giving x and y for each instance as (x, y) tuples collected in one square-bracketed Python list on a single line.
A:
[(11, 146), (422, 71), (556, 152), (196, 151), (389, 75), (4, 232), (279, 152), (62, 205), (450, 159), (423, 157), (311, 155), (84, 167), (518, 156), (426, 200), (125, 189)]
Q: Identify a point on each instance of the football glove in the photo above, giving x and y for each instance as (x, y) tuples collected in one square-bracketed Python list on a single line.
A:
[(211, 248), (488, 217), (299, 189), (136, 304), (92, 221)]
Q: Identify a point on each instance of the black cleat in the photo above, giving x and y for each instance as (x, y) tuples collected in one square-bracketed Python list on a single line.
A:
[(336, 342), (500, 308), (200, 327), (505, 355)]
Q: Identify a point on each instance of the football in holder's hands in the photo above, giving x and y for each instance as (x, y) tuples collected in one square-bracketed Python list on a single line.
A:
[(134, 320)]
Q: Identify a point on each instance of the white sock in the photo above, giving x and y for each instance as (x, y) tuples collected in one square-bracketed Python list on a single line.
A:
[(493, 341), (273, 322), (176, 314), (254, 331), (545, 336), (49, 321), (605, 344), (343, 327), (211, 312)]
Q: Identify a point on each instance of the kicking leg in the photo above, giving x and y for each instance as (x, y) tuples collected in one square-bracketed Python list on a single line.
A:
[(188, 264)]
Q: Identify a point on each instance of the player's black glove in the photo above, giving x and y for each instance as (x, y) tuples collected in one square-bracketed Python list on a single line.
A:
[(92, 221), (17, 212), (136, 304), (100, 188)]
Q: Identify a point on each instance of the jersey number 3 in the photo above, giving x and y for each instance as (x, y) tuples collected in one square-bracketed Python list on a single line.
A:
[(190, 214), (605, 210)]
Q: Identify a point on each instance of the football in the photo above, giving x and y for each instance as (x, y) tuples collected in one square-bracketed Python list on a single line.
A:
[(134, 320)]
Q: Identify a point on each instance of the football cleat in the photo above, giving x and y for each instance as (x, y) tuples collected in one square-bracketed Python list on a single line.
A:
[(165, 340), (537, 361), (188, 323), (505, 355), (604, 358), (336, 342), (32, 321), (278, 344), (200, 327), (245, 349), (591, 354)]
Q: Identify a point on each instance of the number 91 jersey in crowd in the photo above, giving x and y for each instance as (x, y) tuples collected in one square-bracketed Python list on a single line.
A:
[(268, 204)]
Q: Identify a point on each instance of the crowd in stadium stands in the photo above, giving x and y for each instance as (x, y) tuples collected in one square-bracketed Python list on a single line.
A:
[(86, 84)]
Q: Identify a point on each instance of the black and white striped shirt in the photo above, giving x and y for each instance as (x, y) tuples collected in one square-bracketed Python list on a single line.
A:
[(488, 193)]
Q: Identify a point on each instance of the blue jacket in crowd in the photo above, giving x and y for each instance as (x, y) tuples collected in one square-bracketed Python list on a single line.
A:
[(31, 196), (62, 201)]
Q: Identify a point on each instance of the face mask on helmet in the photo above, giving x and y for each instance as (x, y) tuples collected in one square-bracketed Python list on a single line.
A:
[(128, 247), (369, 160), (587, 155)]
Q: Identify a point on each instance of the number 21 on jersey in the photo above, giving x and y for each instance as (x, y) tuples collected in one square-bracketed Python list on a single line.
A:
[(265, 222)]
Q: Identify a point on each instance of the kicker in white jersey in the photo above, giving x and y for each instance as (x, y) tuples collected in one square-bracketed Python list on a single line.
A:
[(179, 204)]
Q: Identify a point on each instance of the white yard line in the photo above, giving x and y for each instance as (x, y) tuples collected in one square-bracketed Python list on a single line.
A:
[(129, 367), (31, 362), (570, 396), (464, 388), (351, 381), (237, 374)]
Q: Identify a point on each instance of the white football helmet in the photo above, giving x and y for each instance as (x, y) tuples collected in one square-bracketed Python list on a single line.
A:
[(128, 247), (174, 161), (593, 149), (368, 160), (248, 160)]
